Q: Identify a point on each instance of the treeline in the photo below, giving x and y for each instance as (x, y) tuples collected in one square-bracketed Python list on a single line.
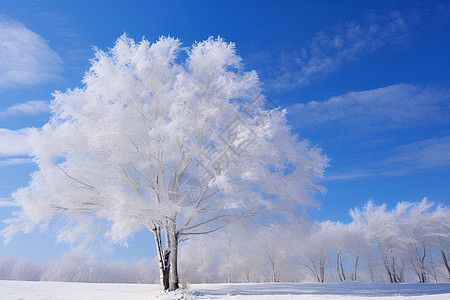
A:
[(409, 243), (79, 267)]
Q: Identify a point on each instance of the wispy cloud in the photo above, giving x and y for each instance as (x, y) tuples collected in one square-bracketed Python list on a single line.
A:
[(25, 57), (370, 120), (421, 155), (429, 154), (14, 142), (15, 161), (6, 202), (330, 49), (27, 108), (74, 48), (395, 106)]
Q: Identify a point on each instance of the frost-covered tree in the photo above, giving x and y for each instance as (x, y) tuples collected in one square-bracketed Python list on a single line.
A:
[(356, 246), (317, 249), (383, 230), (197, 260), (409, 233), (217, 257), (416, 227), (438, 233), (276, 250), (180, 146), (339, 235)]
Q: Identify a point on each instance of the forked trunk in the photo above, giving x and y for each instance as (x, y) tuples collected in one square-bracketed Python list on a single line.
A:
[(163, 259), (339, 266), (419, 265), (167, 257)]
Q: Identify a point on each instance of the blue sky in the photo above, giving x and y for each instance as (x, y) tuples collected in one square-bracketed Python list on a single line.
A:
[(367, 81)]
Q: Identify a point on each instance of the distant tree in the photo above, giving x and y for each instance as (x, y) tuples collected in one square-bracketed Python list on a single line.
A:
[(410, 232), (227, 250), (383, 231), (340, 237), (416, 228), (276, 251), (178, 146), (317, 249), (357, 247), (443, 246), (438, 233), (198, 263)]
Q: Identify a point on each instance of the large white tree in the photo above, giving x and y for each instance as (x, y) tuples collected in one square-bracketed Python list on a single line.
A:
[(178, 141)]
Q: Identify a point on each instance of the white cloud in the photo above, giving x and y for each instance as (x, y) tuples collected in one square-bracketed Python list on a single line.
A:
[(14, 142), (331, 49), (25, 57), (429, 154), (395, 106), (27, 108)]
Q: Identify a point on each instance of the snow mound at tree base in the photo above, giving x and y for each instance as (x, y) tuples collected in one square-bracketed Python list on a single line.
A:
[(180, 294)]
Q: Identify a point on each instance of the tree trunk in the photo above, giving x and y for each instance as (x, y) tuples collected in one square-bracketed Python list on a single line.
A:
[(419, 265), (322, 270), (272, 267), (167, 257), (173, 277), (369, 265), (166, 270), (433, 269), (339, 266), (354, 277), (163, 259), (391, 278), (444, 259)]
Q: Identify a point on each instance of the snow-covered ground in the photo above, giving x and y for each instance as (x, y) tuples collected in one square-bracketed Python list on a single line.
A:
[(264, 291)]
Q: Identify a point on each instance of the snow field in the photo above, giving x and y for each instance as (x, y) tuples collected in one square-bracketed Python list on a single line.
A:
[(40, 290)]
